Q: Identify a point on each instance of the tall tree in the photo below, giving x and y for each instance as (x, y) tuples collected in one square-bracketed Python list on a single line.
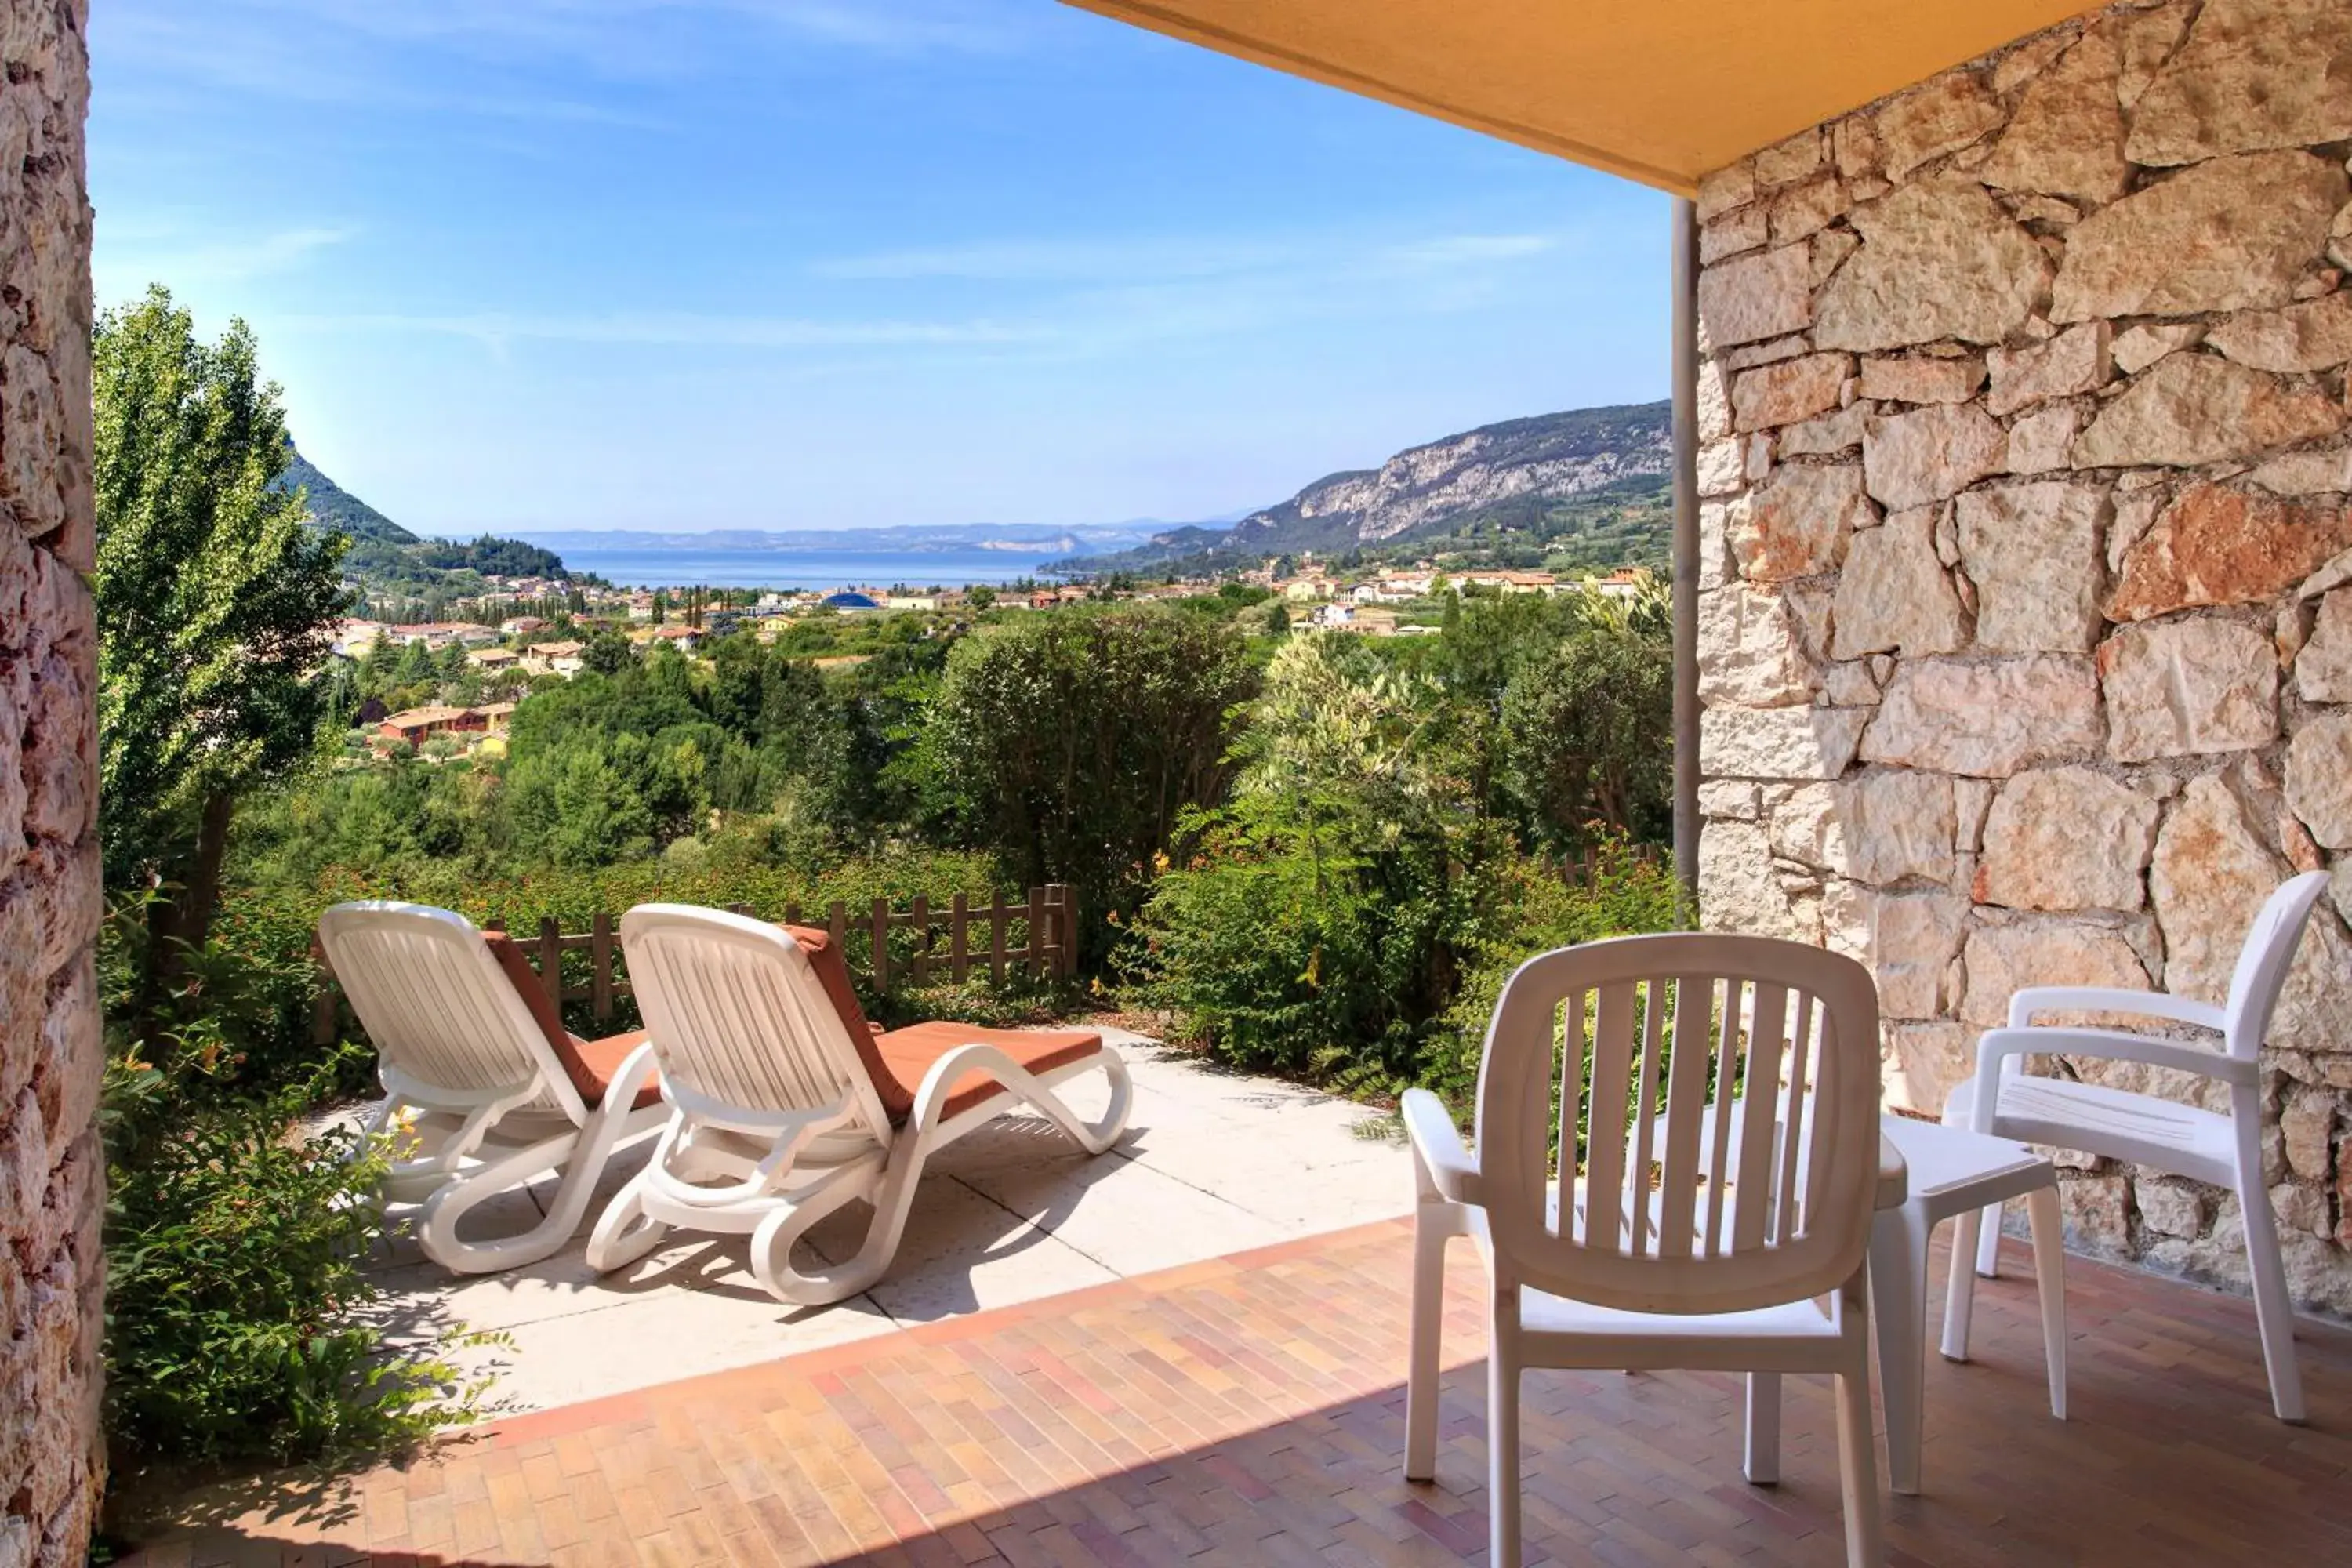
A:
[(217, 603)]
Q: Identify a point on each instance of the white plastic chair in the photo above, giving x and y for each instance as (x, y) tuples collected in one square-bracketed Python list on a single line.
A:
[(2162, 1134), (1658, 1267), (786, 1105), (485, 1092)]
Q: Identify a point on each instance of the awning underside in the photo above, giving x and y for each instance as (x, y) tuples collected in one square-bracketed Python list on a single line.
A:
[(1661, 91)]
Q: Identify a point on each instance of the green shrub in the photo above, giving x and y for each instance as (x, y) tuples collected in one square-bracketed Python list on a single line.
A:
[(238, 1325), (1534, 909)]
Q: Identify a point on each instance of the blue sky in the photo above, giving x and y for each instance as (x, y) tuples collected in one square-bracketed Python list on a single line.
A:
[(819, 263)]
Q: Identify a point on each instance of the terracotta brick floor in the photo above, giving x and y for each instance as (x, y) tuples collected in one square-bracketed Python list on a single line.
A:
[(1249, 1410)]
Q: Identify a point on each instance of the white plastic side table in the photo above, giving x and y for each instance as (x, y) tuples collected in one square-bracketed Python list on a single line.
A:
[(1953, 1172)]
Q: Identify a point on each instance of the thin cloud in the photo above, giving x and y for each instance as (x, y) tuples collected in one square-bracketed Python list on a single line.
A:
[(674, 330), (169, 254)]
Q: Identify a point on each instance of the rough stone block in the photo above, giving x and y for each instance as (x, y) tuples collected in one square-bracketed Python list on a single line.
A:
[(1756, 296), (1797, 525), (1987, 719), (2067, 136), (2076, 361), (1894, 592), (2034, 552), (2067, 839), (1940, 259), (2234, 234), (2253, 74), (2186, 687), (1941, 115), (2215, 545), (1780, 743), (1910, 459)]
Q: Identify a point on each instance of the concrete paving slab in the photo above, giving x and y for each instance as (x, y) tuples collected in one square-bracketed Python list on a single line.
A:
[(1212, 1161)]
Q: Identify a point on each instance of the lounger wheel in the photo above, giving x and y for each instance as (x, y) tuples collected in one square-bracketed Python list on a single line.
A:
[(623, 1232)]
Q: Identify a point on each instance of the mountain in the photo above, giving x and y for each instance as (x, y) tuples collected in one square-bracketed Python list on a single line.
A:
[(1041, 539), (332, 506), (1544, 477), (1552, 457)]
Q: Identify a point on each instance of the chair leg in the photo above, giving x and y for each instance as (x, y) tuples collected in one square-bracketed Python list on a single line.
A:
[(1420, 1390), (1960, 1293), (1502, 1431), (1761, 1462), (1898, 1299), (2273, 1310), (1988, 1244), (1858, 1470), (623, 1233), (2050, 1280), (436, 1221)]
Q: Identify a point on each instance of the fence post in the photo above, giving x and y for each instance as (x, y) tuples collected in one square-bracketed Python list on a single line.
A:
[(996, 936), (323, 1010), (922, 939), (600, 966), (551, 960), (881, 945), (836, 920), (1066, 904), (792, 911), (1037, 932), (959, 940)]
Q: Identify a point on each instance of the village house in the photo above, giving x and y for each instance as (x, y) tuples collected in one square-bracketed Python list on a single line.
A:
[(554, 657), (418, 725), (490, 660), (521, 626)]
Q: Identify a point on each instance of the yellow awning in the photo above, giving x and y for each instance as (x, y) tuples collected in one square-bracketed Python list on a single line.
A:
[(1661, 91)]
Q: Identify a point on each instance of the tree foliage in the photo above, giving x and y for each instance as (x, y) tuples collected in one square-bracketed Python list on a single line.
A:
[(1069, 743), (213, 599)]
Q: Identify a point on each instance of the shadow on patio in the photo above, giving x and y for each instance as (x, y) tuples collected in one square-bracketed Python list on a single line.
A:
[(1247, 1410)]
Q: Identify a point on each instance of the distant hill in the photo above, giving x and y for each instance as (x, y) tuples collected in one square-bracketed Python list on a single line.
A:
[(398, 572), (332, 506), (1422, 489), (1542, 476)]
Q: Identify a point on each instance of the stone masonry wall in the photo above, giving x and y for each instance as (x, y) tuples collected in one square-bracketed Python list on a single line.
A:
[(2026, 630), (50, 1053)]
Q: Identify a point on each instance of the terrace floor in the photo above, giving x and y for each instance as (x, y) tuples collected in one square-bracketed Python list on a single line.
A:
[(1212, 1162), (1247, 1410)]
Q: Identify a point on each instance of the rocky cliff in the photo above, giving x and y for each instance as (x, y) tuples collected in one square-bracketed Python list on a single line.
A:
[(1550, 456)]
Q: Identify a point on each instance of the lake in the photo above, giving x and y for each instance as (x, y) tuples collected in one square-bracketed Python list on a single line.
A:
[(640, 567)]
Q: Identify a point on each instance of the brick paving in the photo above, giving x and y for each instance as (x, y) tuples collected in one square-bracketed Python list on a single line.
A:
[(1249, 1410)]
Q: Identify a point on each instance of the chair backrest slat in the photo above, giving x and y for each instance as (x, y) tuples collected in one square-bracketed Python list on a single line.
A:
[(1685, 1073), (1613, 1068), (435, 1003), (1760, 1103), (1636, 1193), (738, 1017), (1722, 1199), (2266, 958)]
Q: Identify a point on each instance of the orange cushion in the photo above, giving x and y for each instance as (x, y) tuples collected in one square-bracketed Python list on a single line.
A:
[(598, 1060), (588, 1064), (832, 973), (907, 1054)]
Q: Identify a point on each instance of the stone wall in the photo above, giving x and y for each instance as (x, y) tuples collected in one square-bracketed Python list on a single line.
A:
[(2026, 632), (50, 1053)]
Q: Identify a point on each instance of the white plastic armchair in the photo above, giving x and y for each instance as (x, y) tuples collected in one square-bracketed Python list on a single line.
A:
[(2181, 1140), (1676, 1055), (787, 1105), (484, 1090)]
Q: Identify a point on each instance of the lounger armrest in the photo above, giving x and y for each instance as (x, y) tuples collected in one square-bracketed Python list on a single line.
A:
[(2108, 999), (2000, 1045), (1442, 1165)]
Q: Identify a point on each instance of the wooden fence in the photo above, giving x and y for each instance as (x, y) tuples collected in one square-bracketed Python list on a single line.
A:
[(945, 945)]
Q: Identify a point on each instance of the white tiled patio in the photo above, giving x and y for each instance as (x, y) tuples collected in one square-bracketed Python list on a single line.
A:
[(1212, 1162)]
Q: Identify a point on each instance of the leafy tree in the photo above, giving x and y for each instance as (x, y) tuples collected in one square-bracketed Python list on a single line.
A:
[(981, 596), (1069, 743), (1588, 736), (608, 653), (215, 599)]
